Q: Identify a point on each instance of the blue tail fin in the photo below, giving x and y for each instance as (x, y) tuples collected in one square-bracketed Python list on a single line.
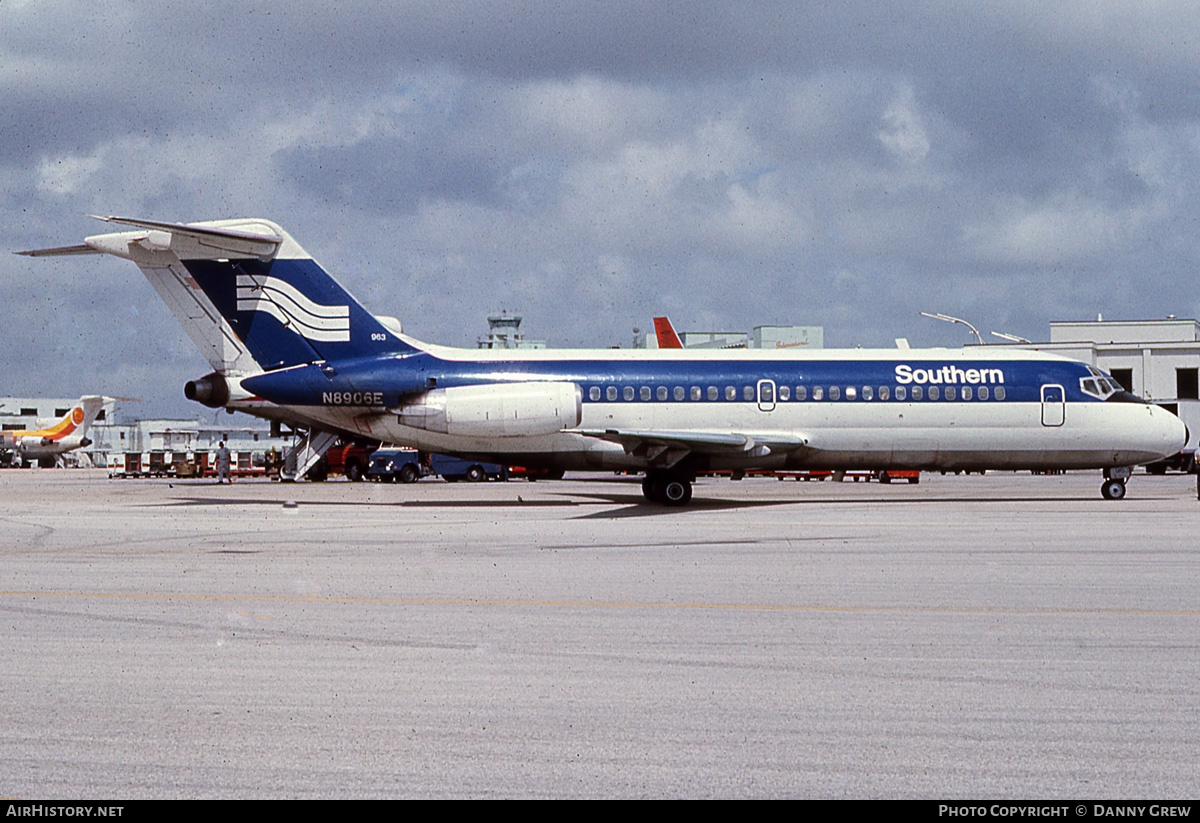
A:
[(288, 310), (282, 305)]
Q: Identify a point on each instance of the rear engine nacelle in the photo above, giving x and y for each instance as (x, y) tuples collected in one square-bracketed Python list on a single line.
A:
[(34, 442), (212, 390), (496, 410)]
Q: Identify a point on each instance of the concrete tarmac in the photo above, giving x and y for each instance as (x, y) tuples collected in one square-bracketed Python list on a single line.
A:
[(1006, 636)]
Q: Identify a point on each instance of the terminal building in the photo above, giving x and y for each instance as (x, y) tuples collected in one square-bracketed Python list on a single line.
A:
[(761, 337)]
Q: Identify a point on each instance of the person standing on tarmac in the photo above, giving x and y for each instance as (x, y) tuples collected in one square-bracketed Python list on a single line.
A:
[(223, 464)]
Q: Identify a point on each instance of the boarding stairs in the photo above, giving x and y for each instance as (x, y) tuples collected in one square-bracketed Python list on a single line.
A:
[(305, 454)]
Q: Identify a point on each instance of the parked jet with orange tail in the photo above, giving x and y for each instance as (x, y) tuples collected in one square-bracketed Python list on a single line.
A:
[(46, 444)]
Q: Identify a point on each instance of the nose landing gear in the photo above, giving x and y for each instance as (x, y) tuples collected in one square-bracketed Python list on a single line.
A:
[(1113, 487)]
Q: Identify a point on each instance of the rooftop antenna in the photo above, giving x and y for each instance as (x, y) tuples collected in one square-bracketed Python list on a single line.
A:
[(947, 318)]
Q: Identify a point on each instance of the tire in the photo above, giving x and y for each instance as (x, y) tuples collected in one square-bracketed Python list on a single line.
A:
[(408, 473), (676, 491), (648, 489), (1112, 490), (476, 474), (354, 472)]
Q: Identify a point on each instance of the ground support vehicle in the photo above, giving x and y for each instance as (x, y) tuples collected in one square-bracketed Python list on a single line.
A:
[(473, 471), (532, 474), (396, 465), (1184, 461)]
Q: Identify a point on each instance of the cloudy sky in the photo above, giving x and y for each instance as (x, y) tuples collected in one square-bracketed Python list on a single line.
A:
[(593, 164)]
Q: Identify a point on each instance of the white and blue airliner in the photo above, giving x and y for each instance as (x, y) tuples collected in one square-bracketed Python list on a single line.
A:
[(287, 342)]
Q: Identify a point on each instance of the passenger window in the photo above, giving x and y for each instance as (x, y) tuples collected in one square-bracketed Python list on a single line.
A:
[(730, 393), (967, 393), (901, 392), (695, 393), (884, 393), (785, 394), (851, 393), (679, 392), (645, 393), (766, 393), (628, 392), (950, 392), (748, 393), (835, 393), (611, 393), (983, 392), (712, 392), (934, 392), (868, 393), (999, 392), (917, 392), (594, 393), (801, 393), (818, 393), (661, 393)]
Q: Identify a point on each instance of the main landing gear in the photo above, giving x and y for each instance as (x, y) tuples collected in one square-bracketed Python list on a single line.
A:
[(1113, 487), (667, 487)]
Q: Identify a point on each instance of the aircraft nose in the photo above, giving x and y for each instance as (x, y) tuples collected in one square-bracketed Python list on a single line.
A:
[(1175, 434)]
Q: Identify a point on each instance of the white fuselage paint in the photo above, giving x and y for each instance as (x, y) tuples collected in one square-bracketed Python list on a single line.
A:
[(840, 433)]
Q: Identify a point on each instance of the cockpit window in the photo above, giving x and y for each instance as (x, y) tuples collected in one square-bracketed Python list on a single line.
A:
[(1099, 385)]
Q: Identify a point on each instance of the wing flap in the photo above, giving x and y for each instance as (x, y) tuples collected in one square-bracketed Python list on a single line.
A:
[(667, 447)]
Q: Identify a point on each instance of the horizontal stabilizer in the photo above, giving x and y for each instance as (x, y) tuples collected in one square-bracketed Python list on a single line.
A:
[(187, 241), (236, 241), (61, 251)]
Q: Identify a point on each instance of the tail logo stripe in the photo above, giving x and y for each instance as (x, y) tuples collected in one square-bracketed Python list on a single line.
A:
[(288, 305)]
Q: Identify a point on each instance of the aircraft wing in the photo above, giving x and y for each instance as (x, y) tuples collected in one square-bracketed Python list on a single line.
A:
[(668, 447)]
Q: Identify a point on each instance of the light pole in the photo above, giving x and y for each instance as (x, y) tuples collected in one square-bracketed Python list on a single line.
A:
[(947, 318)]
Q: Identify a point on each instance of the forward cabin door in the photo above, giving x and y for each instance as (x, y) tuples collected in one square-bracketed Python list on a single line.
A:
[(1054, 411)]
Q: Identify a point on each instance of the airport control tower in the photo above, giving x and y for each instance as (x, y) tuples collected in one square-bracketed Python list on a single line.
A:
[(504, 333)]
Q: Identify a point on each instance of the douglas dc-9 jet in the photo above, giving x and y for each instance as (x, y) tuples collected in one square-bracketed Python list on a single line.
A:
[(287, 342)]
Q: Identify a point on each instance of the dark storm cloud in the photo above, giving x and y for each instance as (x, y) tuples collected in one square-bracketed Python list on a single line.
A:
[(387, 175)]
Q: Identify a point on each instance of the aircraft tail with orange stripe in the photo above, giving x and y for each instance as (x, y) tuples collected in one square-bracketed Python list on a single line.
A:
[(66, 434)]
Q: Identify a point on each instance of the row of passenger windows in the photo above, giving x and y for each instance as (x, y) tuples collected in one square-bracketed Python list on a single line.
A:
[(712, 393)]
